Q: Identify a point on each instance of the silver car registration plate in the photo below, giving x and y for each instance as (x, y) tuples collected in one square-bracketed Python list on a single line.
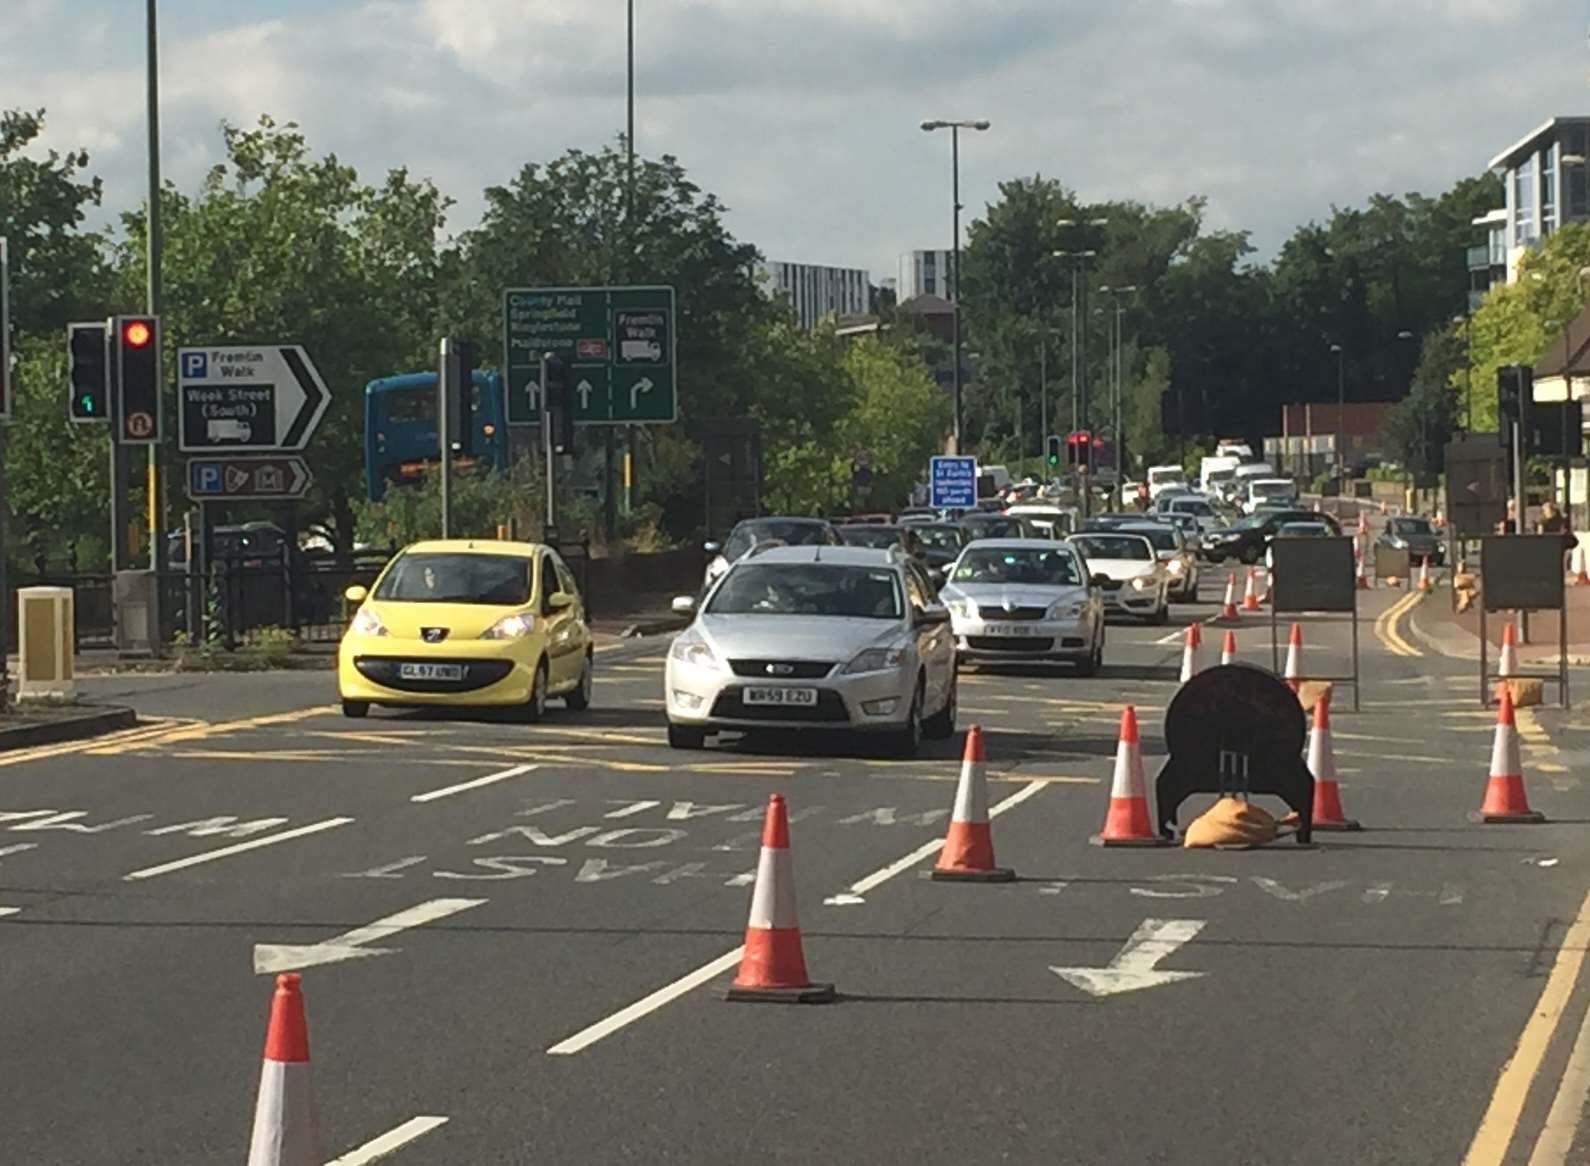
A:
[(797, 696), (409, 671), (1009, 629)]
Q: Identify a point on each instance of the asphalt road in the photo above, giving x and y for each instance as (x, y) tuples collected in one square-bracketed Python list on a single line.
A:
[(1353, 1002)]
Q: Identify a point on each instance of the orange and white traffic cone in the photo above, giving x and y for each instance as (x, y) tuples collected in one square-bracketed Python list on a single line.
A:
[(1363, 522), (1508, 665), (1228, 650), (772, 964), (1581, 576), (1228, 610), (1126, 823), (1358, 571), (968, 854), (1424, 573), (1322, 764), (1250, 596), (1190, 664), (1294, 658), (286, 1123), (1504, 793)]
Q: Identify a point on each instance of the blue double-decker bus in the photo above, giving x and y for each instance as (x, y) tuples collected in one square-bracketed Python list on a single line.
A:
[(400, 439)]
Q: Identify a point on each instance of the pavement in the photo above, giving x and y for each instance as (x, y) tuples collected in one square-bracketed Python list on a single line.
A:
[(548, 913)]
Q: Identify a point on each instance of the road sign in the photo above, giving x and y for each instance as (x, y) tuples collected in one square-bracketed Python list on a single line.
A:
[(618, 342), (258, 399), (248, 479), (952, 481)]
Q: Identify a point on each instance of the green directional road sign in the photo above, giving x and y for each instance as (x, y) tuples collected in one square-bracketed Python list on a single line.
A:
[(618, 341)]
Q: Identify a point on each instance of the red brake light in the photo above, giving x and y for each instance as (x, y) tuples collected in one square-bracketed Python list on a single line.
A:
[(137, 334)]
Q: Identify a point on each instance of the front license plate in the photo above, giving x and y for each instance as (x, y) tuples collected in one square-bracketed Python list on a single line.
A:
[(1010, 629), (802, 696), (431, 671)]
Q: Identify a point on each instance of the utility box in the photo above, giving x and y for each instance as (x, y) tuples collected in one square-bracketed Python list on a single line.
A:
[(45, 642), (133, 595)]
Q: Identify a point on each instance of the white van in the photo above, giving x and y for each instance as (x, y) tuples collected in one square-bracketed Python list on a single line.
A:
[(1161, 477), (1267, 490), (1212, 465)]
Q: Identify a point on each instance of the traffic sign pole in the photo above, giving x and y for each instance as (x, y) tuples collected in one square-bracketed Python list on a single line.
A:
[(549, 533)]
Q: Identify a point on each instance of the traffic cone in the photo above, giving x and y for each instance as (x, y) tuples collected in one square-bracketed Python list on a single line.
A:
[(1294, 658), (1229, 609), (1190, 665), (1363, 579), (1424, 573), (1363, 522), (1509, 661), (1581, 576), (968, 854), (286, 1124), (1322, 764), (1504, 793), (1228, 650), (773, 966), (1250, 597), (1126, 823)]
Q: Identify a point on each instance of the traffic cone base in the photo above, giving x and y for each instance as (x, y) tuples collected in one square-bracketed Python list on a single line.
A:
[(772, 964)]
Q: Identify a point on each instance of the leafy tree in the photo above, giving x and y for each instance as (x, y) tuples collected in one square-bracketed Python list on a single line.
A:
[(1424, 420)]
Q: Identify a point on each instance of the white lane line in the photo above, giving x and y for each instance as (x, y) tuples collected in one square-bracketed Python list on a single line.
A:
[(150, 872), (4, 911), (289, 957), (449, 790), (394, 1139), (670, 992)]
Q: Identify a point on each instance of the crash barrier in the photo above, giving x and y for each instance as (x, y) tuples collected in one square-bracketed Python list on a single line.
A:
[(1315, 576), (1523, 573)]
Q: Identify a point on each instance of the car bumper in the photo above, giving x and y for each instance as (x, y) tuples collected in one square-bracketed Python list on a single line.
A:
[(1126, 601), (370, 668), (707, 698), (979, 638)]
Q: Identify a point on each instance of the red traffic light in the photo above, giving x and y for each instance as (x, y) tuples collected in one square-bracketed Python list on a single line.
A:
[(137, 333)]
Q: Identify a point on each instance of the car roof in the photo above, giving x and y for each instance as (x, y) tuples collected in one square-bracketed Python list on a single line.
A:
[(786, 519), (479, 546), (1286, 526), (840, 556), (1018, 544), (1118, 532)]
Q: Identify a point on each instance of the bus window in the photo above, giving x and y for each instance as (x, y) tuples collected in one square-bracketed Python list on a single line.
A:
[(400, 431)]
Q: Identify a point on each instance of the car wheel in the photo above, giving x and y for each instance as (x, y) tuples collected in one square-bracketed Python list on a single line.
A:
[(1162, 616), (941, 724), (1248, 555), (686, 737), (1095, 659), (355, 708), (579, 698), (536, 706), (908, 741)]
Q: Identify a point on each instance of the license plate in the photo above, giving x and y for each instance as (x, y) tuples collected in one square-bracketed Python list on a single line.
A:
[(1010, 629), (431, 671), (799, 696)]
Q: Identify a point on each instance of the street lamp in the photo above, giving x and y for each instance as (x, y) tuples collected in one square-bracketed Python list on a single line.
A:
[(1117, 293), (955, 128), (1341, 407)]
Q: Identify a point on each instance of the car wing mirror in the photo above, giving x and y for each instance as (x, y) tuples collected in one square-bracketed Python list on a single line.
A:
[(684, 604), (356, 594), (560, 600), (712, 548)]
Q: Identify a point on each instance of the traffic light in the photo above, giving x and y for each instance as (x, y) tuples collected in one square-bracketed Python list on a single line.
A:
[(1053, 448), (1514, 386), (1079, 450), (557, 395), (457, 386), (135, 379), (90, 378)]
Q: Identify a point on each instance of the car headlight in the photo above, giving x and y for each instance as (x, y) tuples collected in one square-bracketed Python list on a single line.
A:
[(1142, 583), (876, 659), (690, 648), (1175, 566), (1398, 543), (511, 627), (367, 623), (1065, 609), (964, 608)]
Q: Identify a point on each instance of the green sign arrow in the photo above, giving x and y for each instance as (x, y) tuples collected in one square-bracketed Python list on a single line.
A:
[(618, 342)]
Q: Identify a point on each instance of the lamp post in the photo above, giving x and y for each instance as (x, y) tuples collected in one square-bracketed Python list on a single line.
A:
[(1341, 408), (955, 128), (1117, 293), (1043, 380)]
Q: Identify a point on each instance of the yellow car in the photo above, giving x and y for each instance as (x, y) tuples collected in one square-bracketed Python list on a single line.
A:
[(469, 623)]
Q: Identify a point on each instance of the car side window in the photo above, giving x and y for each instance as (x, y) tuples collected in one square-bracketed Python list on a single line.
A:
[(549, 583), (915, 591), (566, 582)]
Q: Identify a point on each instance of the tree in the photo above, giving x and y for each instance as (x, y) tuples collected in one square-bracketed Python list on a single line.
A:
[(899, 419), (1418, 429)]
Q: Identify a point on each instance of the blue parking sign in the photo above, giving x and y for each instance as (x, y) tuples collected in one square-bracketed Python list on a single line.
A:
[(206, 477), (195, 365), (952, 481)]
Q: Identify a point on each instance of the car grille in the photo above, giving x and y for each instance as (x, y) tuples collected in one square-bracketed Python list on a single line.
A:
[(996, 614), (383, 670), (829, 707), (798, 669), (1111, 585), (1015, 645)]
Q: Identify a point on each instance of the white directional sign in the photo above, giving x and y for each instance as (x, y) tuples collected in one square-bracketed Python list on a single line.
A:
[(263, 399), (270, 958), (1135, 966)]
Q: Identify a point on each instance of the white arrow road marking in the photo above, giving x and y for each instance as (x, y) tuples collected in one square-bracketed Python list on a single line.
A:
[(1133, 967), (584, 389), (286, 957), (643, 385)]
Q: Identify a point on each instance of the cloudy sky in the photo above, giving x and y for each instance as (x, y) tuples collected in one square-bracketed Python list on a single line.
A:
[(802, 114)]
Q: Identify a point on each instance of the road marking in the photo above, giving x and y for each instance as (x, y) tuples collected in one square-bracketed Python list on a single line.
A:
[(670, 992), (1133, 967), (490, 778), (1567, 1108), (140, 733), (198, 730), (227, 851), (1386, 625), (1495, 1134), (393, 1139), (270, 958), (4, 911)]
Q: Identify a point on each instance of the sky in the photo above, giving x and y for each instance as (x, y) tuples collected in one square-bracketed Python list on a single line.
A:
[(803, 115)]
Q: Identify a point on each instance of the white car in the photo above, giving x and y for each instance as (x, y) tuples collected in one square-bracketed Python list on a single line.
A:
[(1134, 582), (756, 531), (1161, 477), (1055, 521), (1268, 491), (1176, 555), (819, 638), (1199, 506), (1025, 600)]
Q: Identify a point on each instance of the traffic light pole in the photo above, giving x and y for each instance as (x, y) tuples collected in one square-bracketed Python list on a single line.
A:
[(549, 534), (159, 557), (444, 432)]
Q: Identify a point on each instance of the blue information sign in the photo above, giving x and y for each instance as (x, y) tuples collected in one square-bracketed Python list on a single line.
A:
[(952, 481)]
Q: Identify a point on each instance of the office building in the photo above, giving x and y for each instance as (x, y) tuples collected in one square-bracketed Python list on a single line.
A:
[(1547, 184), (927, 273), (818, 293)]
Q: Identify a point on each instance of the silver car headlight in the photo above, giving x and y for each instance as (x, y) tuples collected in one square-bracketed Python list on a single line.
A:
[(1398, 543), (511, 627), (876, 659), (1175, 566), (1142, 583), (964, 608), (1066, 609), (690, 648), (367, 623)]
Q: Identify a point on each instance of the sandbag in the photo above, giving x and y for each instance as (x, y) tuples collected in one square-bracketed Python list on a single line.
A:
[(1231, 822)]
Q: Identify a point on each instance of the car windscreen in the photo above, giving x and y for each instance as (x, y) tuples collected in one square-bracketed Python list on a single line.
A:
[(794, 534), (1196, 506), (942, 538), (1410, 526), (1008, 565), (881, 537), (994, 528), (1305, 530), (1164, 538), (1104, 546), (451, 577), (1272, 489), (813, 589), (1166, 476)]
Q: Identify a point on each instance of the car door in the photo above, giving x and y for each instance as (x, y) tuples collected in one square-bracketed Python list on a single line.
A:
[(935, 644), (561, 623), (581, 627)]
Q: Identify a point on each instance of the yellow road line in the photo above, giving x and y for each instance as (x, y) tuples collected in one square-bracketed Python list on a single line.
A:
[(1500, 1123), (202, 729), (142, 732), (1386, 625)]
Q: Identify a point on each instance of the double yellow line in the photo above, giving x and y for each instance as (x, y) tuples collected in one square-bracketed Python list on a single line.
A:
[(1386, 627)]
